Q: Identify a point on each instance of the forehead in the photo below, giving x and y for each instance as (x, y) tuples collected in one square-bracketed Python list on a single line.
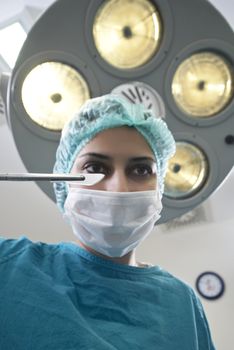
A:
[(119, 141)]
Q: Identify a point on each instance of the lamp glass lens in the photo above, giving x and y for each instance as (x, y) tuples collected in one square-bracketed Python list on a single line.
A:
[(127, 33), (203, 85), (187, 171), (52, 93)]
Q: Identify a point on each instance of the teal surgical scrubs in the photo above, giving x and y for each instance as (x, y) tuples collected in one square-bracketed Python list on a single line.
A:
[(61, 297)]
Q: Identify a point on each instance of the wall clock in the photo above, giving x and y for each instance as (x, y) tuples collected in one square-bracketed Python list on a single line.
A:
[(210, 285)]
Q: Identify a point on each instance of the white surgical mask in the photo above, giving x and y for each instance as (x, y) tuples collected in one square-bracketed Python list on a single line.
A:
[(112, 223)]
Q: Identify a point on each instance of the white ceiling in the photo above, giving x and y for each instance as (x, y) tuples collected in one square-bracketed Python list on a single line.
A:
[(10, 8)]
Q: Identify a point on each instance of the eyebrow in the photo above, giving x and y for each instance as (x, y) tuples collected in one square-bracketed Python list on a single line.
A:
[(105, 157)]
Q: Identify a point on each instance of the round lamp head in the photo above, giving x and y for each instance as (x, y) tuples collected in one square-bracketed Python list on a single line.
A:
[(203, 85), (51, 94), (187, 171), (127, 33)]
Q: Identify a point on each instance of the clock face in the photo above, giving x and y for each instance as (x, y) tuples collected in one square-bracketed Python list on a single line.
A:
[(210, 285)]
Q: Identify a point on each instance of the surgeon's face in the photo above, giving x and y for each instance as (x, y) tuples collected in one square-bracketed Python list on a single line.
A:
[(124, 156)]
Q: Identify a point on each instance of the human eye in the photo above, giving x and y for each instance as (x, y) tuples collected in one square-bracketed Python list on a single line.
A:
[(95, 167), (142, 170)]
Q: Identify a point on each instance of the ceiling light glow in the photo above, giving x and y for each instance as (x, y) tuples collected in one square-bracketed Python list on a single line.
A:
[(12, 38)]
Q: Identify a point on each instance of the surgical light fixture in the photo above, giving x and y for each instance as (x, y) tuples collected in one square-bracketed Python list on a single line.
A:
[(203, 84), (12, 38), (137, 48), (52, 93), (127, 33)]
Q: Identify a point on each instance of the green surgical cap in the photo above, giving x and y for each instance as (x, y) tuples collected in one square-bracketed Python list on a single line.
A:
[(106, 112)]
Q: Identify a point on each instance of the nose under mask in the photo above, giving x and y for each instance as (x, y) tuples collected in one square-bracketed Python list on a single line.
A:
[(112, 223)]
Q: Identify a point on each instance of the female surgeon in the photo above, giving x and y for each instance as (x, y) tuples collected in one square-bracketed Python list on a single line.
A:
[(93, 293)]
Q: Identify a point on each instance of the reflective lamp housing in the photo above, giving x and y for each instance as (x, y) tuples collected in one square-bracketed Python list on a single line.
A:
[(144, 50)]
